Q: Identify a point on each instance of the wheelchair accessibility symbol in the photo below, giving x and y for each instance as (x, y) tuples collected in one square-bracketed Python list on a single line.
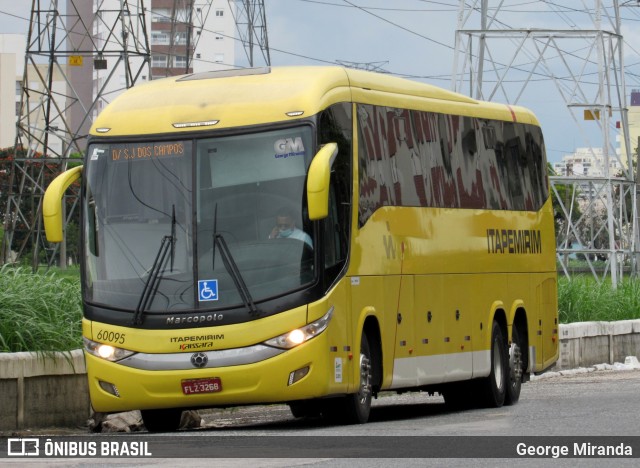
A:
[(207, 290)]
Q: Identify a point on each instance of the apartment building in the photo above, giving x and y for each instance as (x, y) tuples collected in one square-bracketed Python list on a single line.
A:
[(12, 48), (190, 36), (587, 162), (633, 116)]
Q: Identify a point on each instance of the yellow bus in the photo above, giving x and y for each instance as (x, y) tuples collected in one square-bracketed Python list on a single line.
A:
[(311, 236)]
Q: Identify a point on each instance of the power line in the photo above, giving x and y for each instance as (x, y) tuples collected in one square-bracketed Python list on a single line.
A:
[(401, 27), (410, 10)]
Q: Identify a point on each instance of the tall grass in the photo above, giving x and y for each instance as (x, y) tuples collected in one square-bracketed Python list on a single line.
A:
[(583, 299), (39, 312)]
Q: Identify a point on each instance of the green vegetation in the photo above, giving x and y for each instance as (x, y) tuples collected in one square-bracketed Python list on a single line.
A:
[(39, 312), (583, 299)]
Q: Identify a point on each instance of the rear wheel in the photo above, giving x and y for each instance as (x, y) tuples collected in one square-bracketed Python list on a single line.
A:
[(492, 389), (354, 408), (516, 369), (161, 420)]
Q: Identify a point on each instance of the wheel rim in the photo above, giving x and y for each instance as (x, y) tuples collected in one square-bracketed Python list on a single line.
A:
[(515, 363), (497, 364), (364, 392)]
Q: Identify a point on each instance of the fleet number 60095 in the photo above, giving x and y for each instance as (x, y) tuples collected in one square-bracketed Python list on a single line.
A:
[(110, 336)]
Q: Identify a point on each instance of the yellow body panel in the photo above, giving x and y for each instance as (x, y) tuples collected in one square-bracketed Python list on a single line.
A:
[(153, 108), (449, 274)]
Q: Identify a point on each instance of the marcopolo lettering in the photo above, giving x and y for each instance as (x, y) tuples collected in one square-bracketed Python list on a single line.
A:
[(194, 319), (514, 241)]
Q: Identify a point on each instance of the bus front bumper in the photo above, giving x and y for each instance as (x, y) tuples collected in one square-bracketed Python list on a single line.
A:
[(114, 387)]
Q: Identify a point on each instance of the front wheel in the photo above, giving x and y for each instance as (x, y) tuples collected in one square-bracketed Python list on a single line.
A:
[(161, 420), (354, 408), (492, 389)]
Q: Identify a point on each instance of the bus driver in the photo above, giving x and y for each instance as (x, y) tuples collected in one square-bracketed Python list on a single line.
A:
[(286, 228)]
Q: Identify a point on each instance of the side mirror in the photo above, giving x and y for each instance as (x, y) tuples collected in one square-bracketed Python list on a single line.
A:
[(318, 181), (52, 203)]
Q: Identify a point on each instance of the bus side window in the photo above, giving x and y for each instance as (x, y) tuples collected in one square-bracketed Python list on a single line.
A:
[(332, 232), (335, 125)]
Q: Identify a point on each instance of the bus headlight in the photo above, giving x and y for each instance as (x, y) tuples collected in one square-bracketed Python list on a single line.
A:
[(105, 351), (300, 335)]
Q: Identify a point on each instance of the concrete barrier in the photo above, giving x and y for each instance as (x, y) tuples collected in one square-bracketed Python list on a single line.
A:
[(43, 390), (585, 344), (38, 391)]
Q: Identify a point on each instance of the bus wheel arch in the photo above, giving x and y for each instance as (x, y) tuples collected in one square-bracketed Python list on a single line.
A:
[(371, 329), (355, 408)]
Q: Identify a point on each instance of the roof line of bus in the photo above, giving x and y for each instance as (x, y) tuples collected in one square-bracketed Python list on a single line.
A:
[(401, 86)]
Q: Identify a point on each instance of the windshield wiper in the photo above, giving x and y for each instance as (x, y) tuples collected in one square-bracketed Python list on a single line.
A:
[(153, 280), (231, 266), (236, 276)]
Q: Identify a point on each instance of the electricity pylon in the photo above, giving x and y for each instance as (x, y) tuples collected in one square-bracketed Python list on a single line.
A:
[(586, 65), (251, 23), (65, 47)]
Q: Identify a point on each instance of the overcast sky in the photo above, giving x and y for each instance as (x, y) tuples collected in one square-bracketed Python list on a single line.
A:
[(416, 38)]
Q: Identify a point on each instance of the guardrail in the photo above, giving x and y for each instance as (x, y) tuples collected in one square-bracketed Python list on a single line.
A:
[(50, 390)]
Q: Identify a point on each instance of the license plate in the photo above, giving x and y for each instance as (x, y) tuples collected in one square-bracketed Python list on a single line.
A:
[(196, 386)]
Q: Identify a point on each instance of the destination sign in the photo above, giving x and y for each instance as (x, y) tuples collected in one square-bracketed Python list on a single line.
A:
[(146, 150)]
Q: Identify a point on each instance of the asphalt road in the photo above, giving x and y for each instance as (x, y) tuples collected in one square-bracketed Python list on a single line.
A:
[(551, 411), (595, 403)]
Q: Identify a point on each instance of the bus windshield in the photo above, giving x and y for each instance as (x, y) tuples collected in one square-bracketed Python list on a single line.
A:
[(210, 223)]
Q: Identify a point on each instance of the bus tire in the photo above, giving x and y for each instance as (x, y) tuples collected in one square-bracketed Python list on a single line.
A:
[(162, 420), (516, 369), (354, 408), (492, 389)]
